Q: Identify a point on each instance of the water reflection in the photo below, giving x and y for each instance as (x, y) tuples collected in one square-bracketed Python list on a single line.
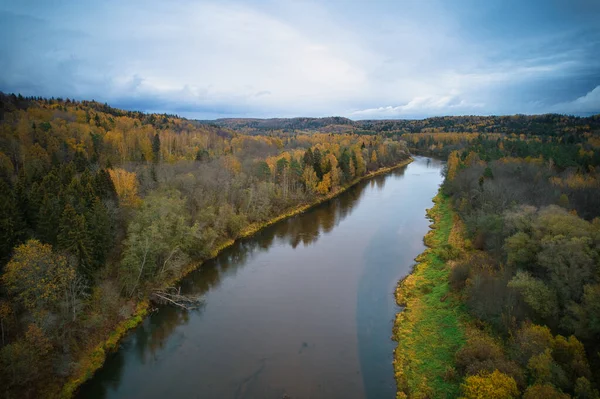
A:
[(155, 332), (303, 308)]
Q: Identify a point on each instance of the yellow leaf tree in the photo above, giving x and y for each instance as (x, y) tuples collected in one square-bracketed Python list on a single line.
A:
[(37, 277), (453, 165), (374, 157), (126, 186), (310, 179), (324, 186)]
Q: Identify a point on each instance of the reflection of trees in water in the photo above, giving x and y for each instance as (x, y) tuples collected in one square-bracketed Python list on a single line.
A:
[(399, 172), (305, 229), (379, 182), (105, 379), (153, 334)]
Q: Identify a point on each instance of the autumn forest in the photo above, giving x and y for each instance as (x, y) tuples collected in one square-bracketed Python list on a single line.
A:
[(103, 207), (103, 211)]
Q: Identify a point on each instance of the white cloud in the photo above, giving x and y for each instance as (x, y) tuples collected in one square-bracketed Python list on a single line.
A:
[(450, 104), (590, 103)]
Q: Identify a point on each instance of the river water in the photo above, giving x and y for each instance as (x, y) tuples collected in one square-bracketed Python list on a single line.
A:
[(303, 309)]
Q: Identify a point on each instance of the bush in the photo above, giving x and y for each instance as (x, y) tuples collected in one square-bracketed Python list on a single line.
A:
[(544, 391), (483, 354), (530, 340), (584, 390), (496, 385), (447, 252)]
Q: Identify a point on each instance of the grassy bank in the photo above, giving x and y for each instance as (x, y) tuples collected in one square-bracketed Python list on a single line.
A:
[(431, 327), (94, 358)]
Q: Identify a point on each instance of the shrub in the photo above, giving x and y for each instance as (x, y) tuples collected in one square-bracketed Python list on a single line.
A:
[(584, 390), (483, 354), (494, 385), (447, 252), (544, 391), (529, 341)]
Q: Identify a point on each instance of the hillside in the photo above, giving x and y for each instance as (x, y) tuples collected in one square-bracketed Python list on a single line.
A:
[(549, 124)]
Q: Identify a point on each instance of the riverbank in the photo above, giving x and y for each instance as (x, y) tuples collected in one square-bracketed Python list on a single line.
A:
[(256, 227), (97, 355), (431, 327)]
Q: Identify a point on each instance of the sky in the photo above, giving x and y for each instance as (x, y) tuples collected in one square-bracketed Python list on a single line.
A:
[(358, 59)]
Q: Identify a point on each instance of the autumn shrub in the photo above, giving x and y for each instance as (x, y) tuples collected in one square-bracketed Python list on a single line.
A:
[(495, 385), (544, 391), (570, 354), (447, 252), (543, 369), (584, 389), (483, 354), (530, 340)]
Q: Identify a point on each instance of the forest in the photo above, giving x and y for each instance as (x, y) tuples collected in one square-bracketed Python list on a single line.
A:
[(513, 266), (101, 209)]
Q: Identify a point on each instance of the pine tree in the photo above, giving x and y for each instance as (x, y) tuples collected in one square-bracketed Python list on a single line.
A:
[(100, 232), (104, 187), (73, 238), (309, 158), (317, 163), (156, 148), (345, 165), (12, 226), (49, 217)]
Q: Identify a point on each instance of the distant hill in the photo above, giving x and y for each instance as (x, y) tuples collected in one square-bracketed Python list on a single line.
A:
[(282, 123), (548, 124)]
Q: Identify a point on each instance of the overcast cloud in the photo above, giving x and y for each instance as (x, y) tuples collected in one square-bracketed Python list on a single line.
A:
[(375, 59)]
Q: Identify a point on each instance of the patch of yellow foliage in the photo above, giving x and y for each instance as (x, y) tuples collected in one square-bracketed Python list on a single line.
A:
[(496, 385)]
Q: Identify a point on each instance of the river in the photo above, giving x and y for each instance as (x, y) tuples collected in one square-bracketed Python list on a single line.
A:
[(303, 309)]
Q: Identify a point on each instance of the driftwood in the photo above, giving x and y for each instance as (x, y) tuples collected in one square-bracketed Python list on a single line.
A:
[(173, 296)]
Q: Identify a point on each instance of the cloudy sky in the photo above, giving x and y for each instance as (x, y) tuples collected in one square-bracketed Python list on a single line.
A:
[(360, 59)]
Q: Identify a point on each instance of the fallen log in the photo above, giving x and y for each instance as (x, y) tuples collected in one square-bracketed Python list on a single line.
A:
[(173, 296)]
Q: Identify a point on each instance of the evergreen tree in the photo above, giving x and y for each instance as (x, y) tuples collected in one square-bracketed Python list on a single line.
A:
[(317, 163), (156, 148), (100, 232), (49, 217), (309, 158), (12, 227), (73, 238), (81, 161), (296, 169), (202, 155), (104, 187), (263, 171), (345, 165)]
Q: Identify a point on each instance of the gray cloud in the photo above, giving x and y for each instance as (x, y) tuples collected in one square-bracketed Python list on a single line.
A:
[(363, 60)]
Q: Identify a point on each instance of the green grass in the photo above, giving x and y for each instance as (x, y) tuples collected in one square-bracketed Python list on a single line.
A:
[(431, 328)]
